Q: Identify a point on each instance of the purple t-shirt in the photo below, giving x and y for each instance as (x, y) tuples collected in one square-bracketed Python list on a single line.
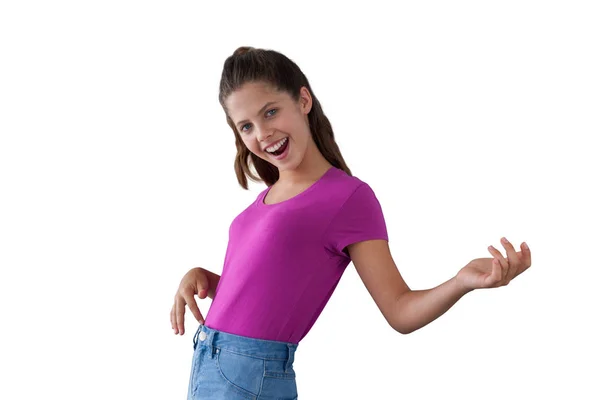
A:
[(284, 260)]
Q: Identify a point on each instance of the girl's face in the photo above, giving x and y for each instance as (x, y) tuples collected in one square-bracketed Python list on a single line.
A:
[(263, 117)]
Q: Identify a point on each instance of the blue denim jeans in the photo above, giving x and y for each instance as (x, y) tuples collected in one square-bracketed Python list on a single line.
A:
[(229, 367)]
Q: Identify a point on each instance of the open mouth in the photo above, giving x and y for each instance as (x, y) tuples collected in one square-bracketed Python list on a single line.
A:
[(282, 149)]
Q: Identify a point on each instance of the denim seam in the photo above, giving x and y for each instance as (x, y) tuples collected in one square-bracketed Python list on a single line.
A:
[(251, 355), (269, 341), (262, 379), (242, 391), (279, 375)]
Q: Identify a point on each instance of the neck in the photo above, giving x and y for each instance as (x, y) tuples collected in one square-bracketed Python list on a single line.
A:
[(311, 168)]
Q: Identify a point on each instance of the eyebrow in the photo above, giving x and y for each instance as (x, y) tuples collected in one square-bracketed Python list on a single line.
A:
[(258, 113)]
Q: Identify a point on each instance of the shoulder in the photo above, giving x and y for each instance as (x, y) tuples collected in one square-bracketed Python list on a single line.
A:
[(352, 195), (357, 216), (355, 190), (344, 186)]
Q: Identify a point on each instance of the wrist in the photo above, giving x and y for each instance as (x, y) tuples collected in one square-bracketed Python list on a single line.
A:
[(460, 287)]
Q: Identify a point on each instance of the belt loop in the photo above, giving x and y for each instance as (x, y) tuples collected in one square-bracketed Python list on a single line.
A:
[(210, 341), (290, 358), (195, 340)]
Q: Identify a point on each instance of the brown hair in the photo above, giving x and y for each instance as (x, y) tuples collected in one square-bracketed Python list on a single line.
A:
[(248, 64)]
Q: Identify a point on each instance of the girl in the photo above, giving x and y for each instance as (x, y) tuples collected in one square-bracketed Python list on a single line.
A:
[(288, 249)]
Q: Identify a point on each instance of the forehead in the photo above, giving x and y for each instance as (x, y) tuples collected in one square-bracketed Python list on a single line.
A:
[(250, 98)]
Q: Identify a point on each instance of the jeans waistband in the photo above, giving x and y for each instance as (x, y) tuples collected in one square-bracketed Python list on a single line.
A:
[(267, 349)]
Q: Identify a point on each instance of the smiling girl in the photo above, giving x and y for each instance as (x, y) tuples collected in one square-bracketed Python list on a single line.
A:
[(289, 248)]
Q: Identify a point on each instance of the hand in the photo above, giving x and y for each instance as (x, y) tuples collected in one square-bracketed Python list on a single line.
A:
[(193, 282), (493, 272)]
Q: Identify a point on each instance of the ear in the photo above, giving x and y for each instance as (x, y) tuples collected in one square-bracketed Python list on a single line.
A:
[(305, 100)]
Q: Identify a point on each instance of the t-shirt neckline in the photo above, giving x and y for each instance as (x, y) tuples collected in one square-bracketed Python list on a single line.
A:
[(261, 198)]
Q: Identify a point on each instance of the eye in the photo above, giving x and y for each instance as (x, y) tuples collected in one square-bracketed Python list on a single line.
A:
[(273, 109)]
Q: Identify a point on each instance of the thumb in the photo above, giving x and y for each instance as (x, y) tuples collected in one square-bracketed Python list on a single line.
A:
[(495, 276), (202, 293), (202, 285)]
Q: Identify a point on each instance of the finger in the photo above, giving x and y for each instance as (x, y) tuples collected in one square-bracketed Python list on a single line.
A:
[(502, 274), (501, 260), (172, 316), (524, 259), (495, 277), (179, 314), (191, 302), (513, 259), (202, 285)]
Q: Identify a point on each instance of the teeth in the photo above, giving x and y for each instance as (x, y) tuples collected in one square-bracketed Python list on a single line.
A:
[(276, 146)]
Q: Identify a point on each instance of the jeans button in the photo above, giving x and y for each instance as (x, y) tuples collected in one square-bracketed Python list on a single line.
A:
[(202, 335)]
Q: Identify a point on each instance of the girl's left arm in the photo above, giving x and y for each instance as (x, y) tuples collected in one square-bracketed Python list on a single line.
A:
[(407, 310)]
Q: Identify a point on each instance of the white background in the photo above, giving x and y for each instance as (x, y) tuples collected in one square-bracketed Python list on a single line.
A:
[(470, 120)]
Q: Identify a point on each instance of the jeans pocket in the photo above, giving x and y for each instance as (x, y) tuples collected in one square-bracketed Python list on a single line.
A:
[(243, 372)]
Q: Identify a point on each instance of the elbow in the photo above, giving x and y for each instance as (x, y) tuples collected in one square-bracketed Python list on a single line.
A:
[(402, 327), (403, 330), (399, 319)]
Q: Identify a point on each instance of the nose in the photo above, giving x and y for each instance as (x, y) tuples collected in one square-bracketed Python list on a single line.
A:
[(263, 133)]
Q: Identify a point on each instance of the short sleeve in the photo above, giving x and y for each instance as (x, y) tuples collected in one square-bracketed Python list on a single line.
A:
[(360, 218)]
